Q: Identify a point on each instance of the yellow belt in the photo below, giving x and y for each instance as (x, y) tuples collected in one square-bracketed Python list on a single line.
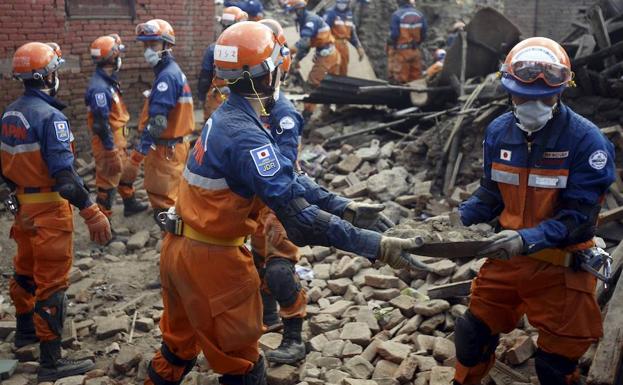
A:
[(45, 197), (195, 235), (556, 257)]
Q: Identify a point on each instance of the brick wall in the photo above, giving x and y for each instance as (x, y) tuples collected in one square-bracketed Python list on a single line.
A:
[(550, 18), (22, 21)]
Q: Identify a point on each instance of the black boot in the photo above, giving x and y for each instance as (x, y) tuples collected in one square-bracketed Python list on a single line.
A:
[(25, 330), (54, 367), (292, 348), (271, 319), (131, 206), (257, 376)]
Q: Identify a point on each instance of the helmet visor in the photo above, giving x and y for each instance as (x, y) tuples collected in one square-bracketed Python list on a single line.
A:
[(147, 29), (553, 75)]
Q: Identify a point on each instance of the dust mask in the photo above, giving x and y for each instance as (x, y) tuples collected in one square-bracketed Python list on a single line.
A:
[(151, 57), (533, 115)]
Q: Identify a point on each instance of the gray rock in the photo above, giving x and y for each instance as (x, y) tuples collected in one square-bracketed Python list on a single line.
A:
[(405, 304), (117, 248), (270, 341), (337, 308), (349, 164), (358, 367), (357, 332), (281, 375), (431, 324), (334, 376), (432, 307), (314, 294), (445, 267), (384, 369), (384, 294), (322, 271), (407, 369), (138, 240), (107, 327), (333, 349), (382, 281), (425, 343), (441, 375), (388, 184), (128, 358), (354, 381), (328, 362), (323, 323), (394, 351), (27, 353), (393, 319), (339, 286), (318, 342), (347, 267), (458, 310), (463, 273), (425, 363), (351, 350), (443, 349), (145, 324)]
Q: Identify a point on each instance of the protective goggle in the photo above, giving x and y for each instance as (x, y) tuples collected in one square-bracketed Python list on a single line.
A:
[(147, 29), (554, 75)]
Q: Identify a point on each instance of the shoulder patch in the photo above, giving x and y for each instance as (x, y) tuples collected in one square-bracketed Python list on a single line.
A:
[(286, 123), (309, 24), (162, 86), (100, 99), (62, 131), (598, 159), (265, 160)]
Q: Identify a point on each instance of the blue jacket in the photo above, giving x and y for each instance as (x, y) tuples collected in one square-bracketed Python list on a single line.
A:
[(99, 98), (345, 26), (404, 22), (546, 190), (286, 127), (236, 160), (253, 8), (35, 141), (314, 32)]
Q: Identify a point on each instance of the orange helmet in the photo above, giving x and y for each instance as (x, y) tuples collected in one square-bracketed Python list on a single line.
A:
[(155, 30), (537, 67), (281, 39), (247, 48), (295, 4), (105, 49), (233, 15), (36, 60)]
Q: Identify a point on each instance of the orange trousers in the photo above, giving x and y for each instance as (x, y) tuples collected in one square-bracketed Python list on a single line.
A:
[(342, 47), (214, 98), (44, 236), (558, 301), (404, 65), (323, 65), (265, 249), (163, 172), (212, 303)]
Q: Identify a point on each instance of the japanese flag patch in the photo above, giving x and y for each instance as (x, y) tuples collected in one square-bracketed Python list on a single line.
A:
[(505, 155), (100, 99), (265, 160), (62, 131)]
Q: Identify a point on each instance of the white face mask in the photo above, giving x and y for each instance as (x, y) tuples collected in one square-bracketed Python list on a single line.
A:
[(117, 65), (152, 57), (533, 115)]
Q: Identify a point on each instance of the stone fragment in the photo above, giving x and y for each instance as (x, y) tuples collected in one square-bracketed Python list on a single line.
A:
[(322, 271), (23, 367), (72, 380), (422, 378), (27, 353), (328, 362), (405, 304), (431, 308), (145, 324), (463, 273), (357, 332), (323, 323), (457, 310), (337, 308), (441, 375), (351, 350), (393, 319), (314, 294), (394, 351), (117, 248), (19, 379), (370, 352), (270, 341), (138, 240), (317, 343), (354, 381), (339, 286), (335, 376), (388, 184), (523, 349), (367, 315), (84, 263), (406, 370), (425, 342), (6, 328), (349, 164), (347, 267), (359, 367), (425, 363), (356, 191), (333, 349), (282, 375), (128, 358), (107, 327), (431, 324), (443, 349), (444, 268), (69, 334), (382, 281), (384, 369)]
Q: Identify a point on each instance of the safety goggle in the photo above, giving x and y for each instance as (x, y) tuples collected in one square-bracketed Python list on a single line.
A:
[(553, 75), (147, 29)]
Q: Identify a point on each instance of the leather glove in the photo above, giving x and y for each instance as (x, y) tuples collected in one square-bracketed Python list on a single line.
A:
[(111, 160), (274, 230), (98, 224), (361, 53), (131, 169), (505, 245), (396, 252), (367, 216)]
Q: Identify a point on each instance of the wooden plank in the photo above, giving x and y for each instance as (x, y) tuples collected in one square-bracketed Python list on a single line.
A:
[(607, 358), (615, 214), (455, 289)]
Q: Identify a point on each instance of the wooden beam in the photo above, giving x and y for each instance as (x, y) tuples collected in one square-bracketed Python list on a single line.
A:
[(600, 31), (611, 215), (455, 289)]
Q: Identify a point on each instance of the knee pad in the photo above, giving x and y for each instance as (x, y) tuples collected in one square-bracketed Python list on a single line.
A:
[(26, 283), (554, 369), (105, 197), (53, 311), (257, 376), (473, 340), (173, 360), (281, 281)]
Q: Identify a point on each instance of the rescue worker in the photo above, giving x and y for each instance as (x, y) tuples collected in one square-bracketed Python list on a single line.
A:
[(210, 284), (314, 33), (213, 91), (107, 118), (546, 170), (407, 32), (437, 66), (340, 20), (36, 161), (253, 8), (164, 141), (274, 255)]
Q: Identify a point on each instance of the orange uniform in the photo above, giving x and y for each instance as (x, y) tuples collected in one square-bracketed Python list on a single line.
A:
[(408, 30), (344, 31)]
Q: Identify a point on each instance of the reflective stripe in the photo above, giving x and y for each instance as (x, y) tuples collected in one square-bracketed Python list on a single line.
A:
[(185, 99), (204, 182), (39, 198), (547, 181), (18, 115), (505, 177), (195, 235), (558, 257), (410, 26), (20, 148)]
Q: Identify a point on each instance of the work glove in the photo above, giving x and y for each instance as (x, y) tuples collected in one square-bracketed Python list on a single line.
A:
[(131, 169), (505, 245), (98, 224), (274, 230), (361, 53), (111, 162), (396, 252), (367, 216)]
